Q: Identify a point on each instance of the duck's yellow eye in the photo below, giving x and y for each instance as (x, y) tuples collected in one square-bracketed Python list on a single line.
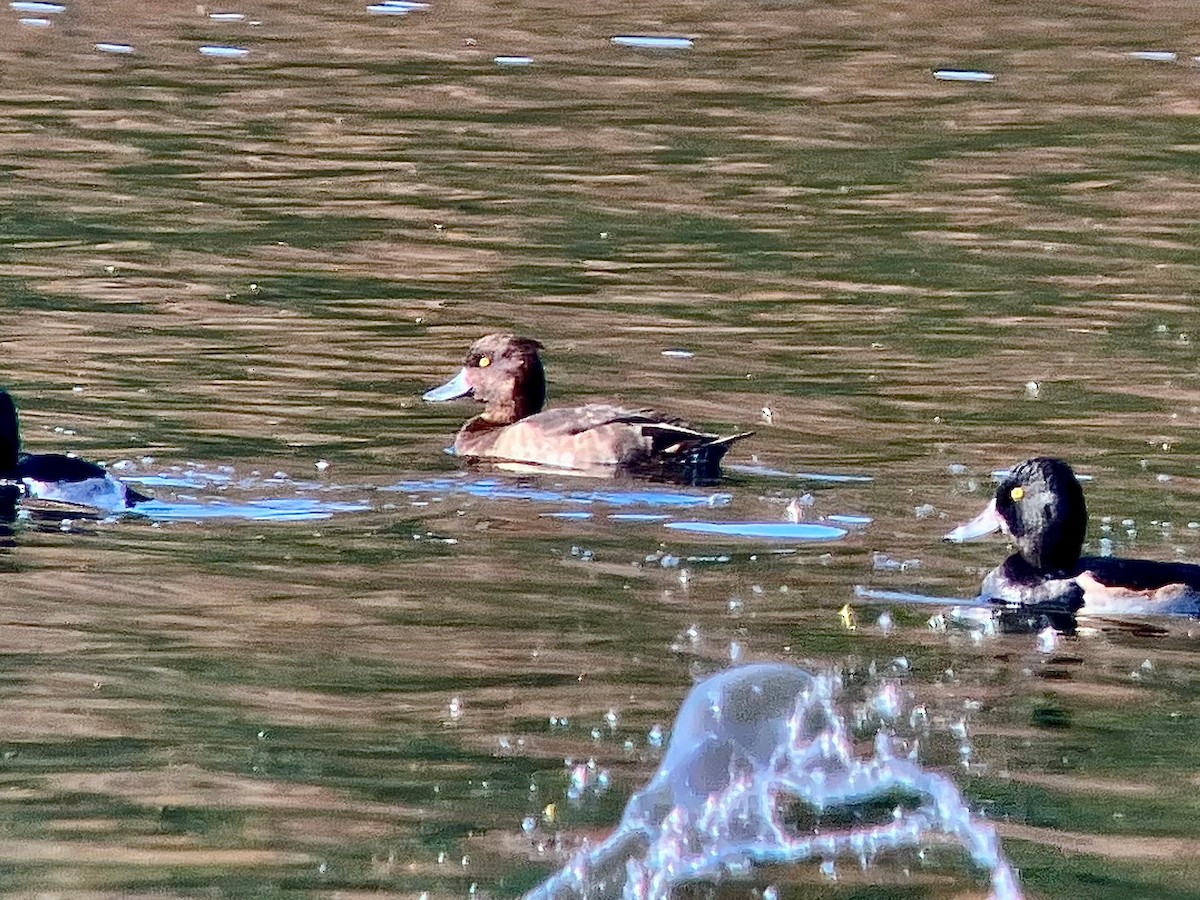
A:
[(1017, 493), (484, 362)]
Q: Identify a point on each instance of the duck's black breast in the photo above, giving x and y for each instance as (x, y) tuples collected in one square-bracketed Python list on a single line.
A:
[(1016, 583)]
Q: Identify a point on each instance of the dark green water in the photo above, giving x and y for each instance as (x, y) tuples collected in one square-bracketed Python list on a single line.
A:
[(261, 263)]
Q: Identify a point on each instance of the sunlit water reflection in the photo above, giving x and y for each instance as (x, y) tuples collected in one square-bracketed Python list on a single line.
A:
[(363, 678)]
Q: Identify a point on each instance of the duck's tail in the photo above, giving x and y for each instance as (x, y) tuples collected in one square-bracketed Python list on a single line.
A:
[(722, 444), (689, 456), (133, 497), (706, 458)]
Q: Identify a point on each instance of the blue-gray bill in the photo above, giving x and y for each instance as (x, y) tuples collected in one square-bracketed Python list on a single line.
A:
[(453, 389), (987, 522)]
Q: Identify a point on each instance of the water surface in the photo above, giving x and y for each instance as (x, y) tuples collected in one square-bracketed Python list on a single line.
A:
[(253, 264)]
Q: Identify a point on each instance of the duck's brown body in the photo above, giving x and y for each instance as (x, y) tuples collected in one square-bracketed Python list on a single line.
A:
[(505, 373)]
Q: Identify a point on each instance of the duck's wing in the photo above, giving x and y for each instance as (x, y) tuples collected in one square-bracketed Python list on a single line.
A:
[(571, 420), (582, 437), (666, 435), (1114, 586), (673, 441)]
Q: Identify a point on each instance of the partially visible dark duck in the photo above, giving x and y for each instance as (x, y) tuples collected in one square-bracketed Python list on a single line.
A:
[(504, 372), (53, 476), (1040, 506)]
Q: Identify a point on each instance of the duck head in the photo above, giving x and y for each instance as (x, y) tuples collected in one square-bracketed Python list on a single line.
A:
[(1040, 506), (502, 371)]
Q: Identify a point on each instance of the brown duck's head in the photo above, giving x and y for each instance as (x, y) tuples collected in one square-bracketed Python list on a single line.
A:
[(503, 372)]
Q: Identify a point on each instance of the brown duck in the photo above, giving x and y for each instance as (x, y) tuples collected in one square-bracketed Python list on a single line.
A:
[(504, 372)]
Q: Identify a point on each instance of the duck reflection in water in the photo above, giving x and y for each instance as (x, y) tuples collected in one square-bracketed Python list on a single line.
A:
[(1039, 505), (53, 477), (504, 372)]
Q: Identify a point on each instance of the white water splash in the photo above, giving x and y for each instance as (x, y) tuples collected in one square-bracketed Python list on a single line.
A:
[(745, 742)]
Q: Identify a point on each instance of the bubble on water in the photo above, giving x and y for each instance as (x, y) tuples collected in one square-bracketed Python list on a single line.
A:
[(881, 562), (578, 782), (884, 622), (888, 703), (1047, 640)]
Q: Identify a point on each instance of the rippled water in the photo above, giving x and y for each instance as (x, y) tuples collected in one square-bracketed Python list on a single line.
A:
[(239, 242)]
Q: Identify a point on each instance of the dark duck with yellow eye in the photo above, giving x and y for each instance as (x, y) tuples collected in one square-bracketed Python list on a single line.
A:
[(54, 477), (504, 373), (1040, 506)]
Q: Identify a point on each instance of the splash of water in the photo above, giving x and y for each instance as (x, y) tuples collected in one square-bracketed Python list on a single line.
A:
[(749, 743)]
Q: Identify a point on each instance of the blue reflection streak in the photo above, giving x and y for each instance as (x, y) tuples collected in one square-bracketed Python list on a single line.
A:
[(767, 472), (491, 489), (787, 531), (269, 509), (649, 42)]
